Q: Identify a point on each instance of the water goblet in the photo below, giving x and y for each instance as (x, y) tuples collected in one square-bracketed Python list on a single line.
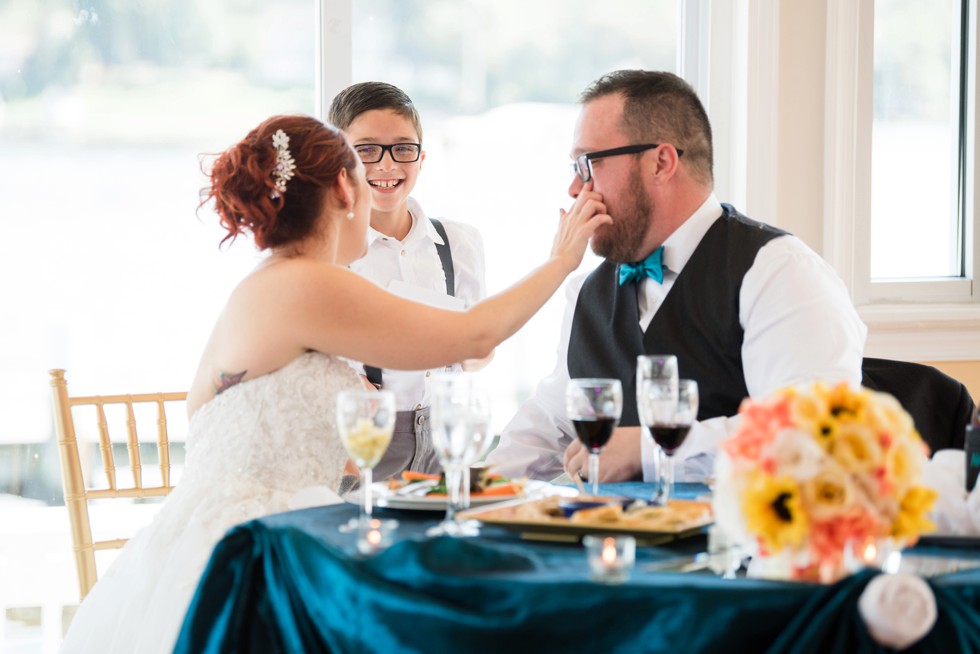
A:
[(669, 429), (656, 372), (480, 406), (365, 421), (724, 552), (594, 405), (454, 436)]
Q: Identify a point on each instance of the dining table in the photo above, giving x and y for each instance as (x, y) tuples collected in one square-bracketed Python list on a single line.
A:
[(296, 582)]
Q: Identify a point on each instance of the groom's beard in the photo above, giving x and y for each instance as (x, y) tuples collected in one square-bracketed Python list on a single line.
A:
[(618, 241)]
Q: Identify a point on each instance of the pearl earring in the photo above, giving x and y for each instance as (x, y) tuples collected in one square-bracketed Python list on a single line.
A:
[(350, 215)]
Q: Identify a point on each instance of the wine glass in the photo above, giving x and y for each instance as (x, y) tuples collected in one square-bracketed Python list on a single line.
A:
[(660, 371), (454, 436), (656, 391), (365, 420), (594, 406), (724, 552), (669, 429), (480, 407)]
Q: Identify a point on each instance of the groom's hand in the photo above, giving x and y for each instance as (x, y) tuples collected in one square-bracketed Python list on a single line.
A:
[(619, 461)]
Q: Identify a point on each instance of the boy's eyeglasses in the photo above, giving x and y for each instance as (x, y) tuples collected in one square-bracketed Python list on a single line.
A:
[(400, 152), (582, 166)]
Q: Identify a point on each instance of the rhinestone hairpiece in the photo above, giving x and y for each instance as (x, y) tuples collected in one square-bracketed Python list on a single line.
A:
[(283, 172)]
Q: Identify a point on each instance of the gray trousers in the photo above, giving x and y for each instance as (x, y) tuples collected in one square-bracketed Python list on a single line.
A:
[(411, 447)]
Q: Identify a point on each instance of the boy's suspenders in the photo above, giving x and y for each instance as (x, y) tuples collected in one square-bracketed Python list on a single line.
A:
[(446, 257)]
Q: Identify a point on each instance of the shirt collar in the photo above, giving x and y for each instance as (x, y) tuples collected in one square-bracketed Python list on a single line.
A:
[(680, 245), (422, 228)]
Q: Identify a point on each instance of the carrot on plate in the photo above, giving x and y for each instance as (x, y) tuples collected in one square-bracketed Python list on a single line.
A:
[(501, 489), (411, 475)]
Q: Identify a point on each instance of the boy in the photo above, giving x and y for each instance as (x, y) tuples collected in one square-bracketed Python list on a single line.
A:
[(438, 262)]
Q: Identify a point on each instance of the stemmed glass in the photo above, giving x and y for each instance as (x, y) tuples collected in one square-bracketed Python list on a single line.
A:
[(480, 408), (455, 437), (656, 393), (365, 420), (594, 406), (670, 428)]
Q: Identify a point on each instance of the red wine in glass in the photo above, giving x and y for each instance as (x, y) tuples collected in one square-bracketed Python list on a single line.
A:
[(594, 406), (669, 436), (594, 434)]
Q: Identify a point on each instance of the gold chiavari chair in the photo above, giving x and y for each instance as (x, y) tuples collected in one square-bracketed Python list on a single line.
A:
[(79, 490)]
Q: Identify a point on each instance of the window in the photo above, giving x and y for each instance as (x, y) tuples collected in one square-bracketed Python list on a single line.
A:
[(918, 140), (877, 97), (105, 109), (107, 270), (496, 84)]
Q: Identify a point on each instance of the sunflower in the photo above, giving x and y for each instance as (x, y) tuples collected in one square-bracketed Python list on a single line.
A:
[(773, 511)]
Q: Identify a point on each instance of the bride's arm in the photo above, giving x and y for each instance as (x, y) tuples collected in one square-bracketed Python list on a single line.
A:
[(341, 313)]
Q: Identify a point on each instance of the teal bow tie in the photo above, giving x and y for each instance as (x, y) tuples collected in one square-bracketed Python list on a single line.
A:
[(652, 267)]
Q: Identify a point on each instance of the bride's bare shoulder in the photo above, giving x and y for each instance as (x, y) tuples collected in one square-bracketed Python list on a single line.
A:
[(295, 275)]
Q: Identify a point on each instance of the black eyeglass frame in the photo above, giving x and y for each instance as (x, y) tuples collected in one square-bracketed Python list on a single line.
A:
[(583, 162), (389, 149)]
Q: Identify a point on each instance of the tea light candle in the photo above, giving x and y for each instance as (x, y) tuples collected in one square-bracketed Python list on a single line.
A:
[(610, 557), (375, 535), (872, 553)]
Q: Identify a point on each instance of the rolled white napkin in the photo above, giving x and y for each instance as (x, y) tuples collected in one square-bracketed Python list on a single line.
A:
[(898, 609), (955, 511)]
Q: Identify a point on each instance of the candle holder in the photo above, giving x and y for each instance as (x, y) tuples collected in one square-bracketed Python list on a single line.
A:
[(610, 558), (375, 535), (878, 553)]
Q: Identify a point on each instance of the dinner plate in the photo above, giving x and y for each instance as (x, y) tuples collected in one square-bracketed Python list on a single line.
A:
[(386, 498)]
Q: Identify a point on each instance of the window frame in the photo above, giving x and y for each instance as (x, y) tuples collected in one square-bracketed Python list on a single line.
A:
[(924, 320)]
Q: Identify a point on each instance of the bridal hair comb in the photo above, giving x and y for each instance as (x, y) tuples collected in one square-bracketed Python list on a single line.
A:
[(283, 172)]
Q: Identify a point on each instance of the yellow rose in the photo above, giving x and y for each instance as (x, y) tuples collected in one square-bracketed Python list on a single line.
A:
[(904, 461), (828, 494), (913, 509), (856, 447)]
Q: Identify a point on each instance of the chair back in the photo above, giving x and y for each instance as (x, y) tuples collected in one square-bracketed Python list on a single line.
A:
[(78, 486), (940, 405)]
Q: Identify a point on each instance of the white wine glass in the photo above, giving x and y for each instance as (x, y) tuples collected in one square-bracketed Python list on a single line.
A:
[(594, 405), (454, 436), (365, 421)]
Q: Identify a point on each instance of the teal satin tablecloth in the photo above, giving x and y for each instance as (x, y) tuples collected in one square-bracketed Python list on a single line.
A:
[(293, 583)]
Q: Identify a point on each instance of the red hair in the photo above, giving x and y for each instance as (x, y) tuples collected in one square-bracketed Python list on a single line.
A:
[(242, 184)]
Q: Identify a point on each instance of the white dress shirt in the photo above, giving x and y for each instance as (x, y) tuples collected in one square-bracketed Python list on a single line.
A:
[(799, 325), (411, 268)]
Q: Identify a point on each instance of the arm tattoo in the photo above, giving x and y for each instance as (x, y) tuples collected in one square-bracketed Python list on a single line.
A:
[(226, 381)]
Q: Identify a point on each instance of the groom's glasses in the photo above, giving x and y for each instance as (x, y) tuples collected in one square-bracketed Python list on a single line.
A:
[(582, 166)]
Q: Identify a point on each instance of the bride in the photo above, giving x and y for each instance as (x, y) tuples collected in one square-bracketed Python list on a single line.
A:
[(262, 400)]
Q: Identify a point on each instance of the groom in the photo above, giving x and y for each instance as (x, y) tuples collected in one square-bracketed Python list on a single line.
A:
[(746, 307)]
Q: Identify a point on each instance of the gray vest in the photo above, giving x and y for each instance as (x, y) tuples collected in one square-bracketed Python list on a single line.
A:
[(698, 321)]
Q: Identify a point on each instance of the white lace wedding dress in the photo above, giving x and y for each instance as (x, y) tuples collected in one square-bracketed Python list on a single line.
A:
[(249, 451)]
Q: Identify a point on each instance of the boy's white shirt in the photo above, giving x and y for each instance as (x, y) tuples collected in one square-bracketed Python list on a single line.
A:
[(411, 268)]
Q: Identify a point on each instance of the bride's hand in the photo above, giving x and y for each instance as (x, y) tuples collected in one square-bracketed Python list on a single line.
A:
[(577, 226)]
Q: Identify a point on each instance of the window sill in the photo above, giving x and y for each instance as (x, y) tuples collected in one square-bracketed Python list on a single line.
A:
[(939, 332)]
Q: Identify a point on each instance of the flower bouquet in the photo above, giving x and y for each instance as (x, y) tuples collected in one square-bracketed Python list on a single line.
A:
[(816, 468)]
